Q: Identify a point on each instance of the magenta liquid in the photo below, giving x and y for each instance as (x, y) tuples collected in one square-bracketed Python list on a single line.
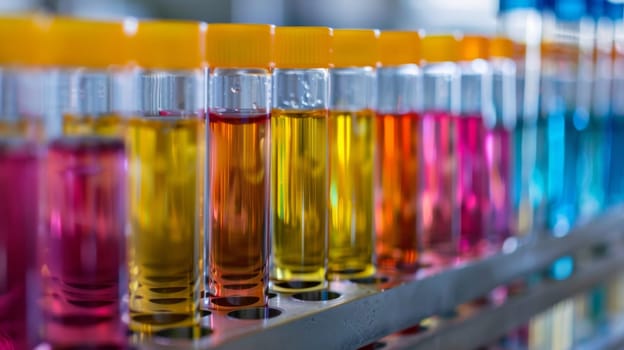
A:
[(438, 205), (472, 183), (18, 228), (498, 159), (84, 252)]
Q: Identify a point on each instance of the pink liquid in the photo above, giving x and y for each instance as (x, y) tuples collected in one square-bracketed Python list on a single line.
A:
[(472, 183), (498, 157), (84, 252), (18, 227), (438, 206)]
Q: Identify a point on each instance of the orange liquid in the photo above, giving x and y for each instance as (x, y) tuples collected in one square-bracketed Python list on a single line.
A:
[(397, 186), (239, 193)]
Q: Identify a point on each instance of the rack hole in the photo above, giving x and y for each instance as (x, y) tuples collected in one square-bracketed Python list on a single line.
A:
[(160, 319), (204, 313), (184, 333), (234, 301), (298, 284), (370, 280), (374, 346), (318, 295), (260, 313), (413, 330)]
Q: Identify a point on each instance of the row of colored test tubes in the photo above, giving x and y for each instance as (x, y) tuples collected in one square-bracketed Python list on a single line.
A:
[(139, 157)]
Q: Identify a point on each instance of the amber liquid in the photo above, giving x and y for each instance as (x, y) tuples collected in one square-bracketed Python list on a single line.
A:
[(397, 186), (351, 160), (166, 162), (299, 188), (239, 215)]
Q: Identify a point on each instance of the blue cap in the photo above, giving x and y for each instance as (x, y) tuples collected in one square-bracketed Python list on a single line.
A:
[(569, 10), (508, 5), (615, 11), (596, 8)]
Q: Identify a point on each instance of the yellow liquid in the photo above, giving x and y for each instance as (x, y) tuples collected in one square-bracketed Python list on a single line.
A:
[(166, 167), (299, 187), (351, 159), (104, 125)]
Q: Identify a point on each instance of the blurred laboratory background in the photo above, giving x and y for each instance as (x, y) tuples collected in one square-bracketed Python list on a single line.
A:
[(475, 16)]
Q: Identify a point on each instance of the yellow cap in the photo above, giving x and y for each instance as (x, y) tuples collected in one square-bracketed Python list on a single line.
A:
[(399, 47), (302, 47), (473, 47), (23, 40), (85, 43), (355, 48), (440, 48), (169, 44), (239, 45), (501, 47)]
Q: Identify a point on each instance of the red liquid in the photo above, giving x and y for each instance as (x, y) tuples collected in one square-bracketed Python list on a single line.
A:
[(438, 201), (18, 233), (498, 157), (85, 242), (397, 189), (472, 188), (239, 198)]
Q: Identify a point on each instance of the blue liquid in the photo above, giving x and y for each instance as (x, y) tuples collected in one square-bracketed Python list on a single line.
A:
[(615, 173), (563, 145), (592, 167)]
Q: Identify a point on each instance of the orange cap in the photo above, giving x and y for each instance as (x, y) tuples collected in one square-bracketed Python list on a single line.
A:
[(302, 47), (169, 44), (23, 40), (239, 45), (501, 47), (440, 48), (399, 47), (355, 48), (473, 47), (86, 43)]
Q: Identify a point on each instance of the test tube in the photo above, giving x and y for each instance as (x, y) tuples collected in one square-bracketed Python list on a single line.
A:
[(498, 141), (351, 152), (22, 112), (566, 104), (166, 145), (521, 22), (84, 252), (398, 138), (615, 176), (299, 158), (475, 106), (441, 78), (240, 106)]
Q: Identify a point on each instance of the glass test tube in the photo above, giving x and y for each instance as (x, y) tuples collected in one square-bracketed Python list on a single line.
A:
[(398, 143), (597, 47), (498, 140), (521, 21), (240, 106), (615, 176), (166, 144), (85, 212), (475, 106), (439, 144), (299, 158), (351, 153), (22, 79), (565, 115)]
